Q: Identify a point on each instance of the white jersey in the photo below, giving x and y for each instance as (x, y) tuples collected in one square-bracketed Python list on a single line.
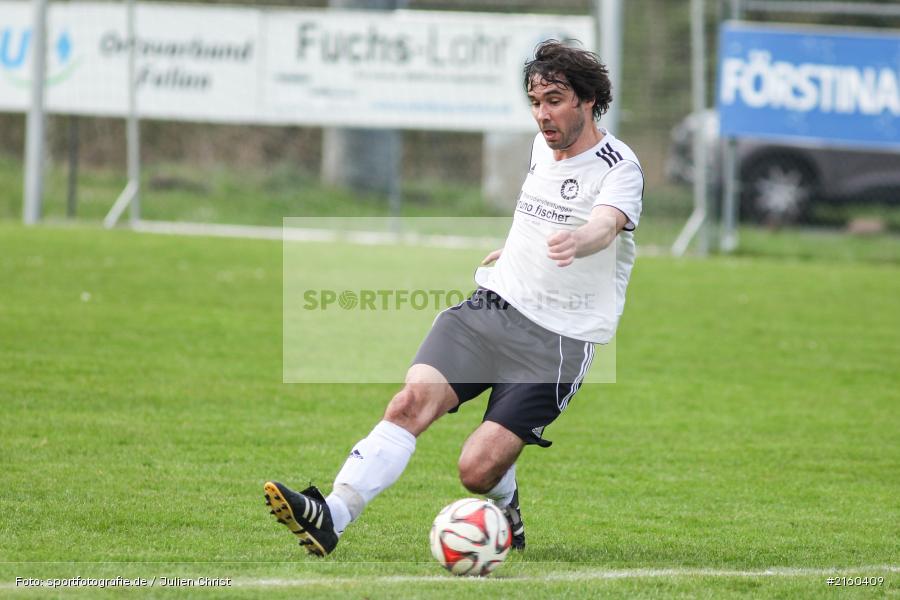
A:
[(585, 299)]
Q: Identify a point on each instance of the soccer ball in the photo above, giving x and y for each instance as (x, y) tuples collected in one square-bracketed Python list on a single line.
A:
[(470, 537)]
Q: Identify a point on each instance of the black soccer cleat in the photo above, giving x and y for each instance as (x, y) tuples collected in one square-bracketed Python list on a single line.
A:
[(306, 514), (516, 525)]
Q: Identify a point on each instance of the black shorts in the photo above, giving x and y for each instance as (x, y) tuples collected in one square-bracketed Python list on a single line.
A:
[(533, 373)]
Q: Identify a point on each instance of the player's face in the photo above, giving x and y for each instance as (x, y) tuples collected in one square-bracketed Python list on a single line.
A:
[(560, 115)]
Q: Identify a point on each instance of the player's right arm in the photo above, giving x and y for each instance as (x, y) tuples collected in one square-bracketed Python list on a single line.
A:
[(492, 256)]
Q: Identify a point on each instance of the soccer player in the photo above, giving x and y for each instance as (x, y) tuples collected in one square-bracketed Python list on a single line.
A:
[(528, 331)]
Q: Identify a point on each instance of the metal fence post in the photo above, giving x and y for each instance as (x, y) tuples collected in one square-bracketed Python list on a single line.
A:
[(697, 222), (728, 232), (609, 15), (34, 140), (133, 127)]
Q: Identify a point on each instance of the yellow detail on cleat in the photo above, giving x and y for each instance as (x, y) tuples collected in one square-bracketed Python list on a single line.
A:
[(284, 515)]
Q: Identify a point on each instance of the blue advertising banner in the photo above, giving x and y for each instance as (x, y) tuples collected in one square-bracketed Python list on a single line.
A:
[(810, 83)]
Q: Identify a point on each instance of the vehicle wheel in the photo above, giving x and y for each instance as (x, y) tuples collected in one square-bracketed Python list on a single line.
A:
[(777, 191)]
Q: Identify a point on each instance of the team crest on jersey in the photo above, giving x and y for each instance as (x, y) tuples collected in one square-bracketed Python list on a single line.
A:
[(569, 189)]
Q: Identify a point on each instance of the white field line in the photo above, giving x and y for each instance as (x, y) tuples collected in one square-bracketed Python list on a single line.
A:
[(364, 238), (298, 234), (584, 575), (559, 576)]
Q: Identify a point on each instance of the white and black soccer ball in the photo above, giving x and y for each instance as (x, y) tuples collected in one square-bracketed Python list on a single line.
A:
[(470, 537)]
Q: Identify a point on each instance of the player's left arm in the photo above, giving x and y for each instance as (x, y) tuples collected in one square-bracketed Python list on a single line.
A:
[(601, 229)]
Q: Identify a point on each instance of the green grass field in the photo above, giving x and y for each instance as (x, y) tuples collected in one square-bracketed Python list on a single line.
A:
[(751, 447)]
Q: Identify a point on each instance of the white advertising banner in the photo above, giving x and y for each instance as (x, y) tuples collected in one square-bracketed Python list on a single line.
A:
[(411, 69), (406, 69), (193, 62)]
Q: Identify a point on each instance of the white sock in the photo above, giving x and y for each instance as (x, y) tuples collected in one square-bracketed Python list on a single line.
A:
[(374, 464), (502, 493), (340, 514)]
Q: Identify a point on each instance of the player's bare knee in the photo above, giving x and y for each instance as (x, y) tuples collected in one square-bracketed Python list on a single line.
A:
[(476, 476), (413, 408), (403, 409)]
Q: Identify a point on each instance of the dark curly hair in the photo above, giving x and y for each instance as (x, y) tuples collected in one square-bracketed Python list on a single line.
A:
[(573, 68)]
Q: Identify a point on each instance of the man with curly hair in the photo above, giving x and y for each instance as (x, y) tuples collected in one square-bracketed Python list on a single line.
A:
[(528, 331)]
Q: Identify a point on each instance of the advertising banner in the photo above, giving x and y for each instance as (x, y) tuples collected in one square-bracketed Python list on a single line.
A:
[(814, 84), (410, 69), (193, 63), (398, 69)]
